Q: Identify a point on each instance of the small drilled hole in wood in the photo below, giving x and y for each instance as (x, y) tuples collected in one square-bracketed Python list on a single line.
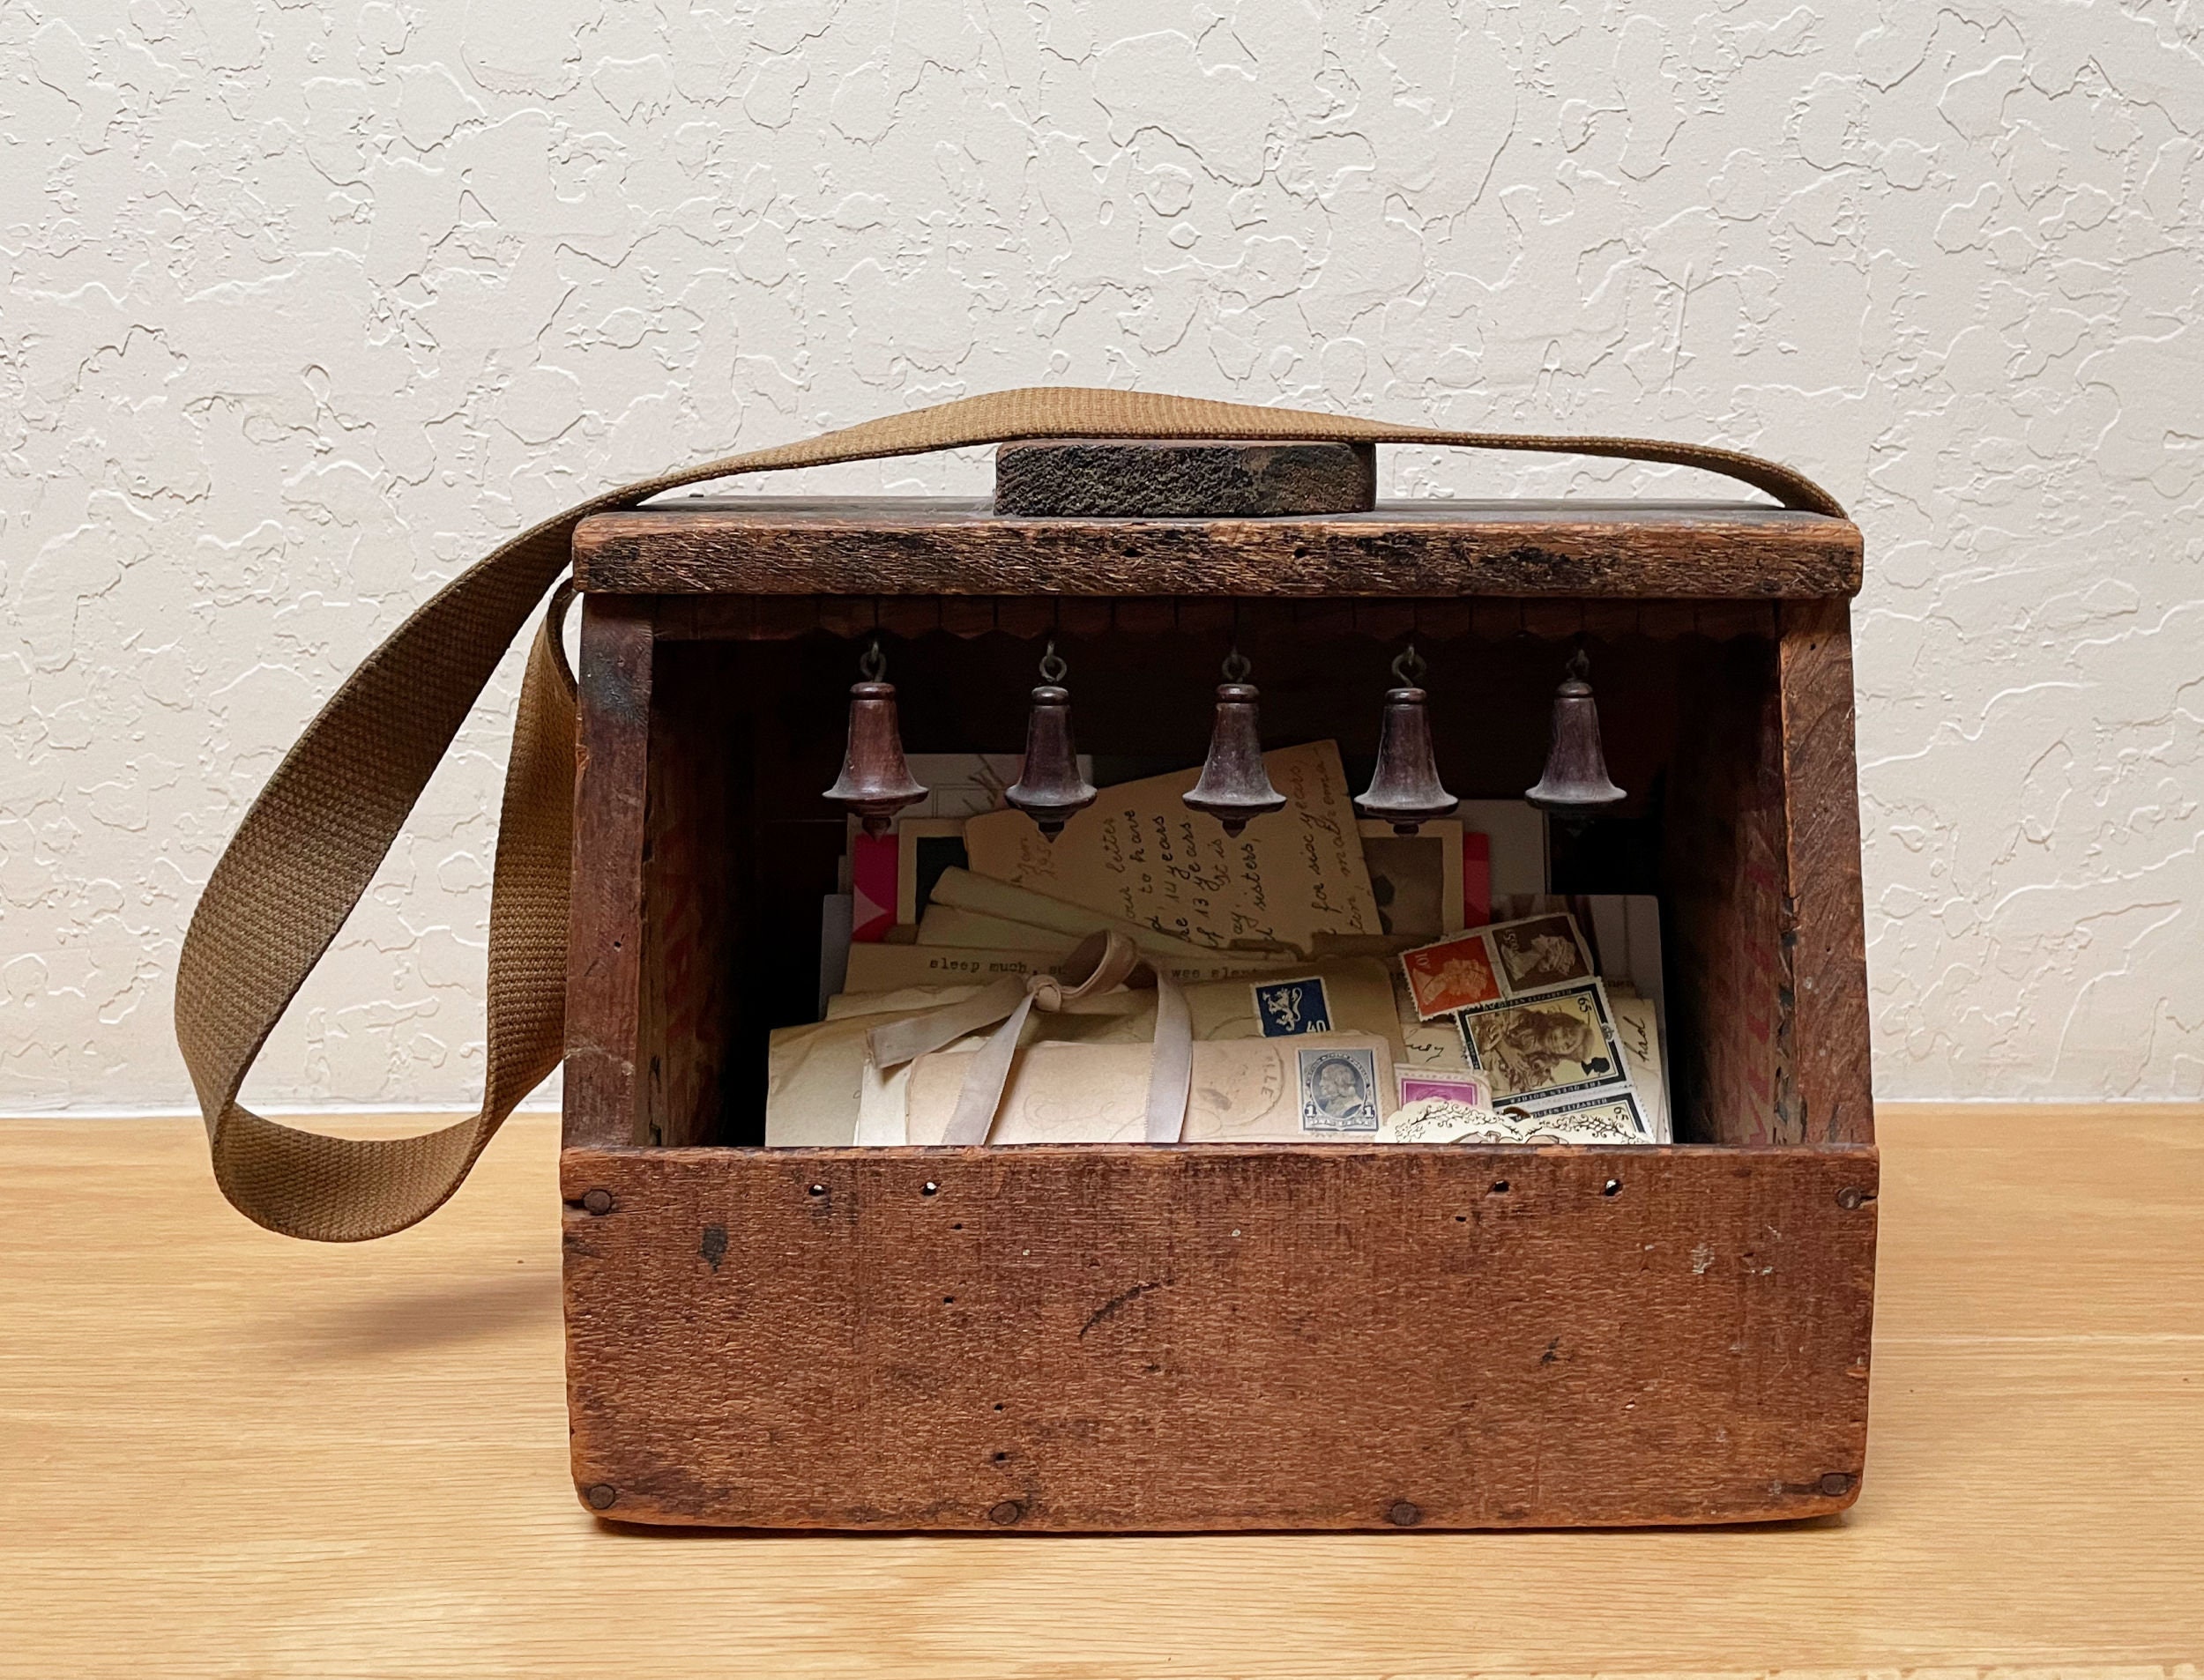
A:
[(1499, 1187), (948, 1300), (1000, 1457), (818, 1190), (998, 1405), (960, 1225), (1461, 1219), (929, 1189), (1613, 1187)]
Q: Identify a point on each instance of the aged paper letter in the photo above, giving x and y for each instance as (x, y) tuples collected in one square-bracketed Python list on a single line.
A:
[(1139, 855)]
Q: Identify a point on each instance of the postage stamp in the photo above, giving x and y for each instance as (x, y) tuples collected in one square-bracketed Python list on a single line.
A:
[(1418, 1083), (1551, 1045), (1338, 1090), (1595, 1113), (1539, 952), (1451, 975), (1506, 960), (1288, 1008)]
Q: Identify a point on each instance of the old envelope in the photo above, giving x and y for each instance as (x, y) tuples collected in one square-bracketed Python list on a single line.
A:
[(1245, 1090)]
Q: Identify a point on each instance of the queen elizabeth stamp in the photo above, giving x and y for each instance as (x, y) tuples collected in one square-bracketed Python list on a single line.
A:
[(1338, 1090), (1540, 951), (1288, 1008), (1550, 1045), (1451, 975), (1506, 960)]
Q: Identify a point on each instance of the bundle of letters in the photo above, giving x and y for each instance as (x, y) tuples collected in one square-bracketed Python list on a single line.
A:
[(1337, 980)]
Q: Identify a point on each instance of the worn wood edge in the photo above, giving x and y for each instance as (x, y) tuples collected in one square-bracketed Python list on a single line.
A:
[(1183, 478), (581, 1168), (1363, 555), (1825, 924), (769, 618), (579, 1154), (605, 913)]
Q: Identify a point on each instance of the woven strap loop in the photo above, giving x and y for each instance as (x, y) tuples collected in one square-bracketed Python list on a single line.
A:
[(309, 848)]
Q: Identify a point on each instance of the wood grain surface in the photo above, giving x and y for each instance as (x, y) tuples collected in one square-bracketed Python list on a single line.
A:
[(1136, 1339), (1181, 478), (1824, 933), (1724, 884), (769, 618), (232, 1455), (605, 997), (820, 547)]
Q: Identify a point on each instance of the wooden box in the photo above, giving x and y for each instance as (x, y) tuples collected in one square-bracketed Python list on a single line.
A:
[(1211, 1337)]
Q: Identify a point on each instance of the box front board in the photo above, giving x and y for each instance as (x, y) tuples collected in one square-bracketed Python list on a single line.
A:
[(1130, 1338)]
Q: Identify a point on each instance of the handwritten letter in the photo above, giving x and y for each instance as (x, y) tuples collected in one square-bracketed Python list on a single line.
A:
[(1139, 854)]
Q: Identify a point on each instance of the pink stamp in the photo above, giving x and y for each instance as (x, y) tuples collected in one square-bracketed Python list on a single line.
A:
[(1454, 1087)]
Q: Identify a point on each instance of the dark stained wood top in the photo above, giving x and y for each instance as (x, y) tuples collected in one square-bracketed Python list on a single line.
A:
[(895, 545)]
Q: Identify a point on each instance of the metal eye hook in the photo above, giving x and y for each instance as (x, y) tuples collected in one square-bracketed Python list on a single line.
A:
[(872, 664), (1053, 670), (1236, 666), (1409, 667)]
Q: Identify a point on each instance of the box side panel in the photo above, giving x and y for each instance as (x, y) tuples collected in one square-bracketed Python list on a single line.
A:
[(1825, 934), (604, 955), (1144, 1338), (1724, 876), (689, 869)]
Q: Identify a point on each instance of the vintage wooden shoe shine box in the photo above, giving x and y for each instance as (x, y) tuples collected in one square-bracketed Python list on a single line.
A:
[(1136, 1337)]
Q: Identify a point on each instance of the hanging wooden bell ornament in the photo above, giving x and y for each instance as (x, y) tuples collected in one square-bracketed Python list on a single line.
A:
[(1049, 788), (1234, 788), (1404, 789), (875, 783), (1575, 781)]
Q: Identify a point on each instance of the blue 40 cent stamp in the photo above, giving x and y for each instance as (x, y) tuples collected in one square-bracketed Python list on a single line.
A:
[(1288, 1008)]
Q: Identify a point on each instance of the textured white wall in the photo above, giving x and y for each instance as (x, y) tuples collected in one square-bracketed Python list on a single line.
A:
[(308, 303)]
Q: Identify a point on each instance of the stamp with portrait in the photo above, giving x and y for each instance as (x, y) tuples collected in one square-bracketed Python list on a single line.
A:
[(1552, 1044), (1539, 952), (1338, 1090), (1451, 975), (1506, 960)]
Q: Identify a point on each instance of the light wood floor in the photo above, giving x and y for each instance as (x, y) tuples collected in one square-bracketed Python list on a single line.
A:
[(226, 1454)]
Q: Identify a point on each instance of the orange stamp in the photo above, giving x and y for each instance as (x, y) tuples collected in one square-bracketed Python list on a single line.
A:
[(1451, 975)]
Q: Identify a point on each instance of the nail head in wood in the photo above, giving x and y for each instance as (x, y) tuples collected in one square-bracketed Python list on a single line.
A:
[(1167, 478), (1403, 1514), (1849, 1197), (601, 1496), (1836, 1483), (1005, 1513), (598, 1201)]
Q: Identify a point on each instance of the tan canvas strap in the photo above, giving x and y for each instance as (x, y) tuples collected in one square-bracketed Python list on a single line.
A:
[(309, 848), (1100, 962)]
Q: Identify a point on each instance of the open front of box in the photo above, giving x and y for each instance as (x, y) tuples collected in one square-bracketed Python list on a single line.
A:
[(1114, 1336), (746, 729)]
